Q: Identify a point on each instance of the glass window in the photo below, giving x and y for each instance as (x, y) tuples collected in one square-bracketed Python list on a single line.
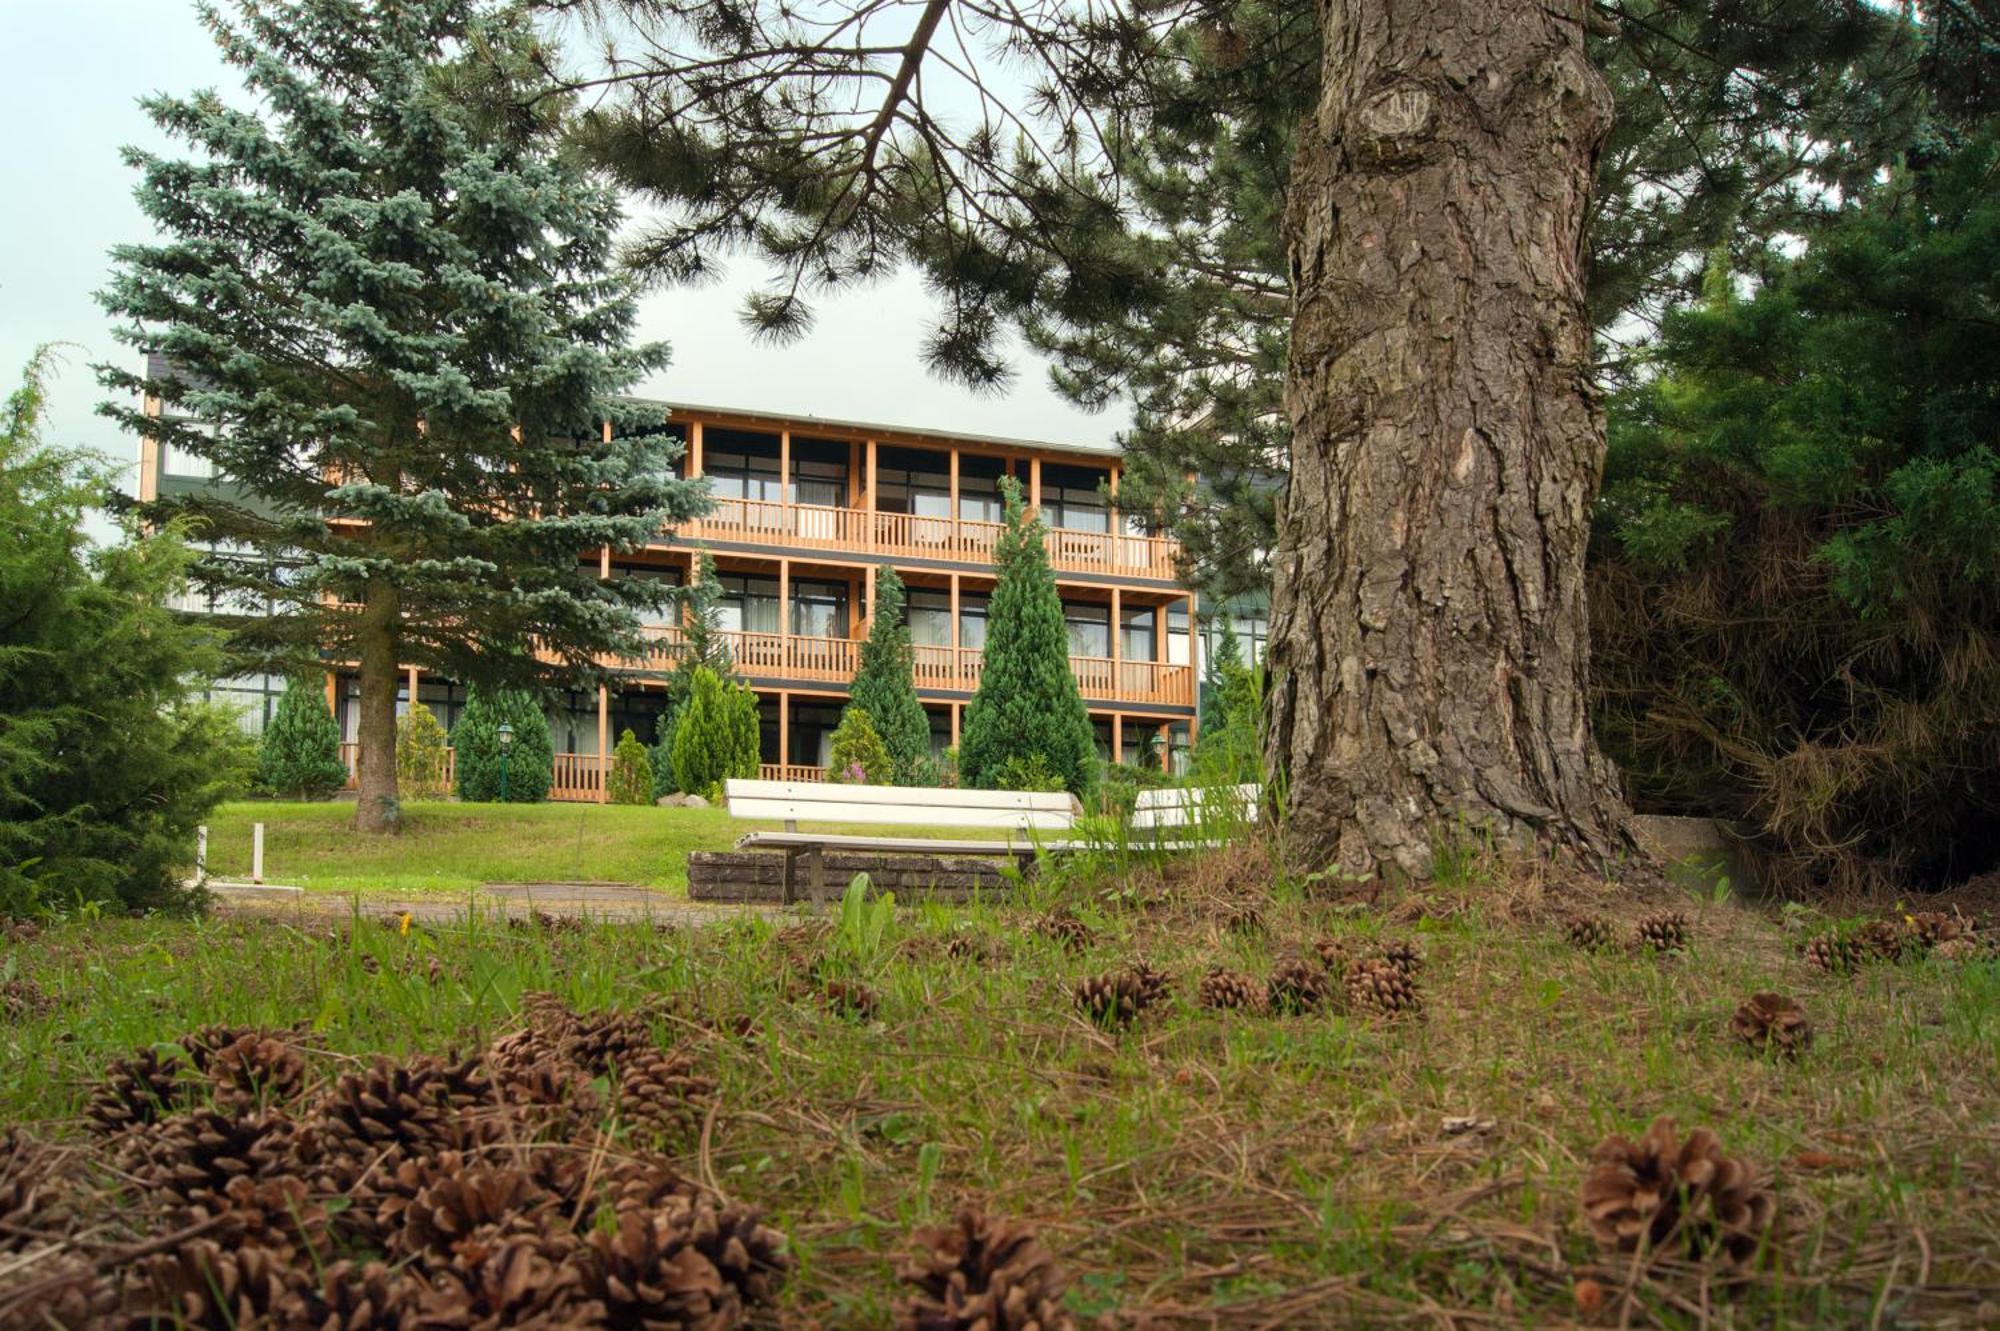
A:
[(1139, 634), (979, 488), (1089, 629), (253, 697), (1071, 499), (668, 611), (819, 472), (819, 609), (179, 462), (812, 733), (929, 617), (748, 604), (910, 481)]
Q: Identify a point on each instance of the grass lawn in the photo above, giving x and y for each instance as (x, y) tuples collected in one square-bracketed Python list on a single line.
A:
[(452, 848), (1201, 1168)]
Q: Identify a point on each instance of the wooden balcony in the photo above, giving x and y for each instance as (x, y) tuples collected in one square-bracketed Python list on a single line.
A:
[(962, 540), (834, 660)]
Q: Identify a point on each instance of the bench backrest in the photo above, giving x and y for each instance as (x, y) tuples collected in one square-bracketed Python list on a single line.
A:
[(1178, 806), (908, 806)]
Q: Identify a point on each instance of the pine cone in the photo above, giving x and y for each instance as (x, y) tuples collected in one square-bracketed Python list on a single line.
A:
[(1831, 953), (21, 999), (1112, 1001), (1403, 955), (969, 947), (660, 1092), (1884, 940), (202, 1284), (851, 999), (801, 947), (1153, 985), (683, 1264), (1382, 988), (1334, 956), (499, 1280), (1772, 1023), (1067, 929), (1229, 989), (197, 1154), (69, 1292), (20, 931), (414, 1105), (354, 1296), (141, 1089), (276, 1214), (1592, 933), (1664, 932), (31, 1192), (454, 1201), (1933, 927), (1960, 949), (1296, 985), (602, 1043), (1659, 1188), (1244, 920), (247, 1064), (981, 1275)]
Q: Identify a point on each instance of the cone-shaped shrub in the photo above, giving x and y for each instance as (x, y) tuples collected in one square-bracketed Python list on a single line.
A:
[(858, 755), (1027, 706), (631, 780), (885, 687), (420, 754), (300, 754), (716, 736), (476, 745)]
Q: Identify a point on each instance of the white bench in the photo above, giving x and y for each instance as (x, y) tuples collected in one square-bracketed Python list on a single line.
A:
[(1179, 806), (1020, 813)]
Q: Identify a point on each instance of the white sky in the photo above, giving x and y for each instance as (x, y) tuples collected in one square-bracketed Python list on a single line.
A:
[(71, 73)]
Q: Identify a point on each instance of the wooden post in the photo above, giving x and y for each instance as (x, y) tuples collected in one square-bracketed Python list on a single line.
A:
[(1193, 697), (785, 480), (411, 674), (868, 498), (868, 577), (953, 490), (604, 562), (603, 744), (694, 449), (957, 720), (1166, 747), (1034, 485), (784, 614), (784, 733), (958, 671), (1117, 555), (332, 695), (256, 852), (1117, 737), (1117, 647)]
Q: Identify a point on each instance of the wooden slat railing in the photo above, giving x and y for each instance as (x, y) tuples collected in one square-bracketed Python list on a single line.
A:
[(967, 540), (789, 772), (578, 776)]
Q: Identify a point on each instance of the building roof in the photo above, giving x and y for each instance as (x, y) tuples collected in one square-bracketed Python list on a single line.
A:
[(877, 428)]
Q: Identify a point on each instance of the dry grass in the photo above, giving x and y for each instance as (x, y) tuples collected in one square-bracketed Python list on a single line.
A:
[(1205, 1168)]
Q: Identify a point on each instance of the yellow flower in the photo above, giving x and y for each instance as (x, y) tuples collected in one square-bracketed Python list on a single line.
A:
[(404, 928)]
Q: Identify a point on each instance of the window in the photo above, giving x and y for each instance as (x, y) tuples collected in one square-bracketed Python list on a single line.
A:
[(929, 616), (179, 462), (1089, 629), (1178, 640), (819, 472), (940, 719), (254, 698), (671, 437), (1253, 632), (667, 612), (819, 609), (979, 488), (748, 604), (812, 733), (1070, 499), (909, 481), (1138, 634)]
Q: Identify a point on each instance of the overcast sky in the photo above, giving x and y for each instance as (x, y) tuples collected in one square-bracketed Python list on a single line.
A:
[(71, 74)]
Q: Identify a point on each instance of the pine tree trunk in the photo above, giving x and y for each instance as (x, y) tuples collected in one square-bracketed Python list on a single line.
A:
[(1429, 647), (375, 764)]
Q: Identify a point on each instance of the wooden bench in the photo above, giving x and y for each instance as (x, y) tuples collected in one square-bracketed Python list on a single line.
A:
[(1180, 806), (1020, 814)]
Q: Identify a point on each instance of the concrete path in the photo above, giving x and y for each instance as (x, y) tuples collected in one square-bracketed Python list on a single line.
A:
[(597, 901)]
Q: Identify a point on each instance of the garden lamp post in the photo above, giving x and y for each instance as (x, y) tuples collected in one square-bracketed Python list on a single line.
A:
[(506, 734)]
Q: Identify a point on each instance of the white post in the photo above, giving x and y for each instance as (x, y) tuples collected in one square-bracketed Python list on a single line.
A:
[(257, 852), (201, 853)]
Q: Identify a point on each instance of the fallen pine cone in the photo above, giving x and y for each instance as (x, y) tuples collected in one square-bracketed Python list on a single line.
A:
[(1229, 989), (1665, 932), (1830, 953), (851, 998), (1660, 1188), (1592, 933), (978, 1274), (1382, 988), (1067, 929), (1771, 1023), (1112, 1001), (1296, 985)]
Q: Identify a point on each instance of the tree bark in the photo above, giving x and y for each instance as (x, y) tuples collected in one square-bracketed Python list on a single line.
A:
[(1429, 645), (375, 763)]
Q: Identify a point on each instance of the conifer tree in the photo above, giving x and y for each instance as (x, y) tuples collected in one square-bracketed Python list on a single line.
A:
[(422, 751), (299, 754), (388, 319), (530, 764), (717, 737), (108, 758), (1027, 710), (631, 779), (857, 756), (1231, 746), (1431, 321), (700, 646), (885, 687)]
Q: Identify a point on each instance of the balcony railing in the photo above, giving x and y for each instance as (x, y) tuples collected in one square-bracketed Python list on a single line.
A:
[(963, 540), (790, 772)]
